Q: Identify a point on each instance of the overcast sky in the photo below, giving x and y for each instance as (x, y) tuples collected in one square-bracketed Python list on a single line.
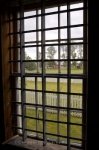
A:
[(52, 21)]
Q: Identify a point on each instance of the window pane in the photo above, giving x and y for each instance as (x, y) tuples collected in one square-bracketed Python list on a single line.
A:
[(51, 21), (63, 19), (77, 32), (76, 17)]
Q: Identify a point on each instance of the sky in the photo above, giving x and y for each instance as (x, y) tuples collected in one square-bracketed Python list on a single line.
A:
[(52, 21)]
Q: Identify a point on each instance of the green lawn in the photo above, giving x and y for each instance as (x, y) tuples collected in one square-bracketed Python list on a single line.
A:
[(51, 127), (75, 131), (62, 71), (52, 86)]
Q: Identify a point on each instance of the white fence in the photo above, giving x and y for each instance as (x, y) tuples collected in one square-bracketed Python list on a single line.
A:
[(51, 99)]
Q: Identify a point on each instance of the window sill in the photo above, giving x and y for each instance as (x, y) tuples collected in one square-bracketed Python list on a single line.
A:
[(30, 144)]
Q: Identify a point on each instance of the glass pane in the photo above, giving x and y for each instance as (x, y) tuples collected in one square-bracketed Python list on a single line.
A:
[(76, 102), (51, 99), (51, 52), (18, 95), (76, 67), (76, 86), (51, 21), (29, 24), (30, 53), (51, 67), (76, 17), (30, 97), (63, 85), (76, 131), (30, 83), (63, 100), (63, 33), (29, 13), (63, 7), (77, 32), (51, 35), (63, 129), (77, 51), (51, 127), (30, 36), (53, 9), (77, 5), (51, 114), (63, 19), (63, 115), (76, 116), (51, 84)]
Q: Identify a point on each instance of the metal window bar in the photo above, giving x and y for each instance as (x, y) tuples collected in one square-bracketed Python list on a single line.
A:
[(22, 69), (85, 71), (68, 73), (50, 13), (36, 79), (44, 76), (43, 69), (58, 80)]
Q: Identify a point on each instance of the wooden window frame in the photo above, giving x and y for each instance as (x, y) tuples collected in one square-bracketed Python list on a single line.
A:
[(6, 94)]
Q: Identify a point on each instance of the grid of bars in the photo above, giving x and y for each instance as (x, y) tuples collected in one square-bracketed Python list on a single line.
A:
[(56, 70)]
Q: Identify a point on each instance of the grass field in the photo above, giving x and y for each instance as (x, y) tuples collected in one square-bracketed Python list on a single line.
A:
[(51, 127), (62, 71), (52, 86), (75, 131)]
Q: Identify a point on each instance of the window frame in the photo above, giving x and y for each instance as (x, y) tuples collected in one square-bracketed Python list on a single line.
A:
[(9, 94)]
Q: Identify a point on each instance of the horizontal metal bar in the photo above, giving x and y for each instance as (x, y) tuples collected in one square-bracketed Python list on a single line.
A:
[(27, 46), (46, 91), (47, 29), (46, 60), (53, 40), (66, 76), (71, 76), (50, 106), (48, 120), (45, 14)]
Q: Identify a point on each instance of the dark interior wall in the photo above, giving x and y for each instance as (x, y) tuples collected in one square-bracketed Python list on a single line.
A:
[(3, 6), (93, 75), (1, 95)]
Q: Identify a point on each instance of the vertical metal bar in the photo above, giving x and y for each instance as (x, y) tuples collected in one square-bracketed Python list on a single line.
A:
[(43, 69), (10, 39), (68, 73), (37, 39), (36, 78), (22, 67), (58, 79), (85, 72)]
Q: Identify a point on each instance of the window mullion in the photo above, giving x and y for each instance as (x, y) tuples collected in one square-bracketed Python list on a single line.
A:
[(36, 78), (68, 73), (22, 68), (43, 70), (58, 79), (85, 81)]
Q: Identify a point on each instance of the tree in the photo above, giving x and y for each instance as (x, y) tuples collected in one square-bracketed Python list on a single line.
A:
[(77, 53), (50, 54), (64, 54), (29, 65)]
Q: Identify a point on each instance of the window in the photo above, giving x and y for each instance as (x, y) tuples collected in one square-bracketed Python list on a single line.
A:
[(48, 62)]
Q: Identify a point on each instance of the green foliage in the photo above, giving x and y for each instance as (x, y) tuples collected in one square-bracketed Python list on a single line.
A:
[(77, 53), (64, 54), (29, 65), (50, 54)]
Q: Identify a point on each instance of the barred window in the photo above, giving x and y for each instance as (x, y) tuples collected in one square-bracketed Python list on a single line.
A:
[(48, 62)]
